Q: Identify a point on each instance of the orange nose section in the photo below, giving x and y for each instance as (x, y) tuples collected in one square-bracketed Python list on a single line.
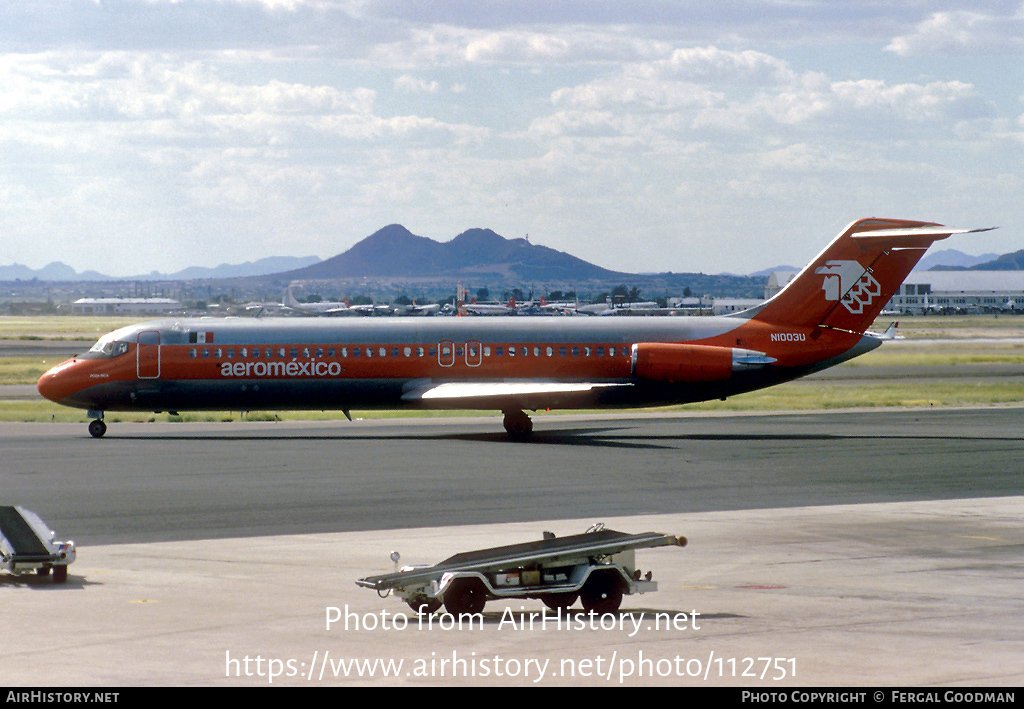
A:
[(60, 382)]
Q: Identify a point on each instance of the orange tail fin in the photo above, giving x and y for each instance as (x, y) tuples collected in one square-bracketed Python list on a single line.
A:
[(848, 284)]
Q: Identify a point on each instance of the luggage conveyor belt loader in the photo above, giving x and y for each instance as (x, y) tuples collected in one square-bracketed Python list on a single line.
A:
[(597, 567), (27, 545)]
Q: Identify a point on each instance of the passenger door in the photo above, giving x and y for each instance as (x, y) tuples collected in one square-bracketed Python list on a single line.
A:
[(148, 355)]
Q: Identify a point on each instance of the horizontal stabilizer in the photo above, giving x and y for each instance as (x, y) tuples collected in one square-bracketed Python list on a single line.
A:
[(919, 231)]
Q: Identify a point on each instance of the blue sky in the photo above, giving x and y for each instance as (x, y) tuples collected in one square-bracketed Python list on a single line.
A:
[(641, 135)]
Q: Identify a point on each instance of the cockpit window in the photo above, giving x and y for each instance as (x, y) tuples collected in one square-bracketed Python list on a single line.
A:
[(106, 349)]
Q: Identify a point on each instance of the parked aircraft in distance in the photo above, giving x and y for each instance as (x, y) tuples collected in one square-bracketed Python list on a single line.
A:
[(333, 308), (317, 308), (513, 365)]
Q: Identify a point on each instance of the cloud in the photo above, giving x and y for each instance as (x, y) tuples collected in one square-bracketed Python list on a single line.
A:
[(961, 33), (414, 85), (277, 122)]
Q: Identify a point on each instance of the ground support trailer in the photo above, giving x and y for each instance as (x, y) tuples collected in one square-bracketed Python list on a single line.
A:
[(27, 545), (597, 567)]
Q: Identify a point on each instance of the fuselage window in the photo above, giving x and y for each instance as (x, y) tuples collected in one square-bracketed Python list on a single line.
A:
[(600, 351), (330, 352), (549, 351), (611, 351), (511, 351), (419, 351), (499, 351), (218, 352), (192, 352), (206, 352), (487, 350), (561, 352), (536, 351), (575, 351), (524, 351), (586, 351), (382, 352), (356, 351), (305, 352), (406, 351)]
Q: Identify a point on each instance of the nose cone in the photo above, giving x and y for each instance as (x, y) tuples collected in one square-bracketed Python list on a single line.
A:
[(59, 383)]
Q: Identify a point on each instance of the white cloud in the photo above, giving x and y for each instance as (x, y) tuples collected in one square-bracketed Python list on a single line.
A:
[(414, 85), (293, 124), (963, 32)]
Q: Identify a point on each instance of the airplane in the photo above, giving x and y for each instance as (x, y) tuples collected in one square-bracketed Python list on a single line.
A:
[(513, 365), (425, 310), (334, 308), (475, 308), (320, 308)]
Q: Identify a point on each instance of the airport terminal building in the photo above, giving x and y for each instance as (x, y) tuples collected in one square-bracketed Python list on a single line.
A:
[(125, 306), (945, 292), (960, 292)]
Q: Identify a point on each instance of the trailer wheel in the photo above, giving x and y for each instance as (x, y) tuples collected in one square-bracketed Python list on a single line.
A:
[(555, 601), (465, 596), (60, 574), (424, 605), (602, 593)]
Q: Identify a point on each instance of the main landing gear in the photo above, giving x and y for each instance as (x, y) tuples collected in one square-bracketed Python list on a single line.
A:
[(518, 424)]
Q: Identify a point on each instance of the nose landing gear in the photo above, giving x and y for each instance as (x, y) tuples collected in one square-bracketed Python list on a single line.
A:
[(97, 427)]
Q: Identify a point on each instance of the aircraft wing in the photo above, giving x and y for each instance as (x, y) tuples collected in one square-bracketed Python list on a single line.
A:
[(504, 395)]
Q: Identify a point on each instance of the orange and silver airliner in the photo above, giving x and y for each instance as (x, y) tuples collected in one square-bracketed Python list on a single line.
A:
[(511, 365)]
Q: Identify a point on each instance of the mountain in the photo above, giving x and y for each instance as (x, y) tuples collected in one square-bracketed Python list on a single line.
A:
[(951, 260), (58, 271), (764, 273), (1006, 262), (394, 251), (261, 267), (55, 271)]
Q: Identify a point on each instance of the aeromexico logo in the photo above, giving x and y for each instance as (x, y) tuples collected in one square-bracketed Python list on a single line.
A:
[(851, 282), (295, 368)]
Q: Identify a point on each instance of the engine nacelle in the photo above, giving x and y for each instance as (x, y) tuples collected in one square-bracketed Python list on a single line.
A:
[(669, 362)]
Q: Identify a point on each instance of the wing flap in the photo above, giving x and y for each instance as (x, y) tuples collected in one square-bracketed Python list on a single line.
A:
[(505, 395)]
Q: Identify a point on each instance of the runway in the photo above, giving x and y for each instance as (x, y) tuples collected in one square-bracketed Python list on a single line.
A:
[(871, 548)]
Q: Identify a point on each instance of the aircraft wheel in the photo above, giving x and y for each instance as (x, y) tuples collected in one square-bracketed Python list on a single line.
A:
[(424, 605), (465, 596), (518, 424), (97, 428), (554, 601), (60, 574), (602, 593)]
